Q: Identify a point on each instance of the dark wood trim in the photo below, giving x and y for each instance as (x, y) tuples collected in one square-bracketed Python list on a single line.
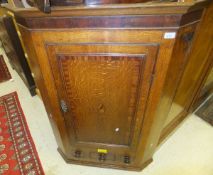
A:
[(150, 21), (139, 21), (191, 17)]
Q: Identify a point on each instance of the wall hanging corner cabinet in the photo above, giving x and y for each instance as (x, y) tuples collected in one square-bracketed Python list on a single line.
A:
[(116, 79)]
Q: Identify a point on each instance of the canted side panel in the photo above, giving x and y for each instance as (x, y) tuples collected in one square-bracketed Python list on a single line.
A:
[(102, 94)]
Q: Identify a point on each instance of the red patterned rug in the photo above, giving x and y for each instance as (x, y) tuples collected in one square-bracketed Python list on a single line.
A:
[(18, 155), (4, 72)]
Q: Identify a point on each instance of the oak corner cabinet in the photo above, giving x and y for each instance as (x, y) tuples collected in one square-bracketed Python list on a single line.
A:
[(116, 79)]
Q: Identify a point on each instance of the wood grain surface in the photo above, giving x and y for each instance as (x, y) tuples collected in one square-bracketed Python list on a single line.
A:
[(104, 73), (102, 93)]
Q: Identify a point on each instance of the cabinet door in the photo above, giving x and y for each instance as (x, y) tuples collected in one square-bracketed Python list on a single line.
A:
[(102, 90)]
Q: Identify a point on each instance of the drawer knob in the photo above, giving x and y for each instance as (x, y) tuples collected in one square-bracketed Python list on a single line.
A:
[(126, 159), (77, 154), (102, 157)]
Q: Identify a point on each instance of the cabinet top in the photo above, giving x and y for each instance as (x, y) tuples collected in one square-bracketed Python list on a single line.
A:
[(162, 15), (152, 7)]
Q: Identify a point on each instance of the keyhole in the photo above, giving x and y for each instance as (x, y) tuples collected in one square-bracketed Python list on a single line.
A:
[(101, 108)]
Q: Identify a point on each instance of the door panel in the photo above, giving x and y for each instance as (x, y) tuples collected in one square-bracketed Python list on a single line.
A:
[(105, 88), (102, 95)]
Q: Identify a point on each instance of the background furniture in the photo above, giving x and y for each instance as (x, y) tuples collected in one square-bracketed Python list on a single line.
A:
[(45, 5), (14, 51), (117, 79), (3, 1), (16, 3)]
